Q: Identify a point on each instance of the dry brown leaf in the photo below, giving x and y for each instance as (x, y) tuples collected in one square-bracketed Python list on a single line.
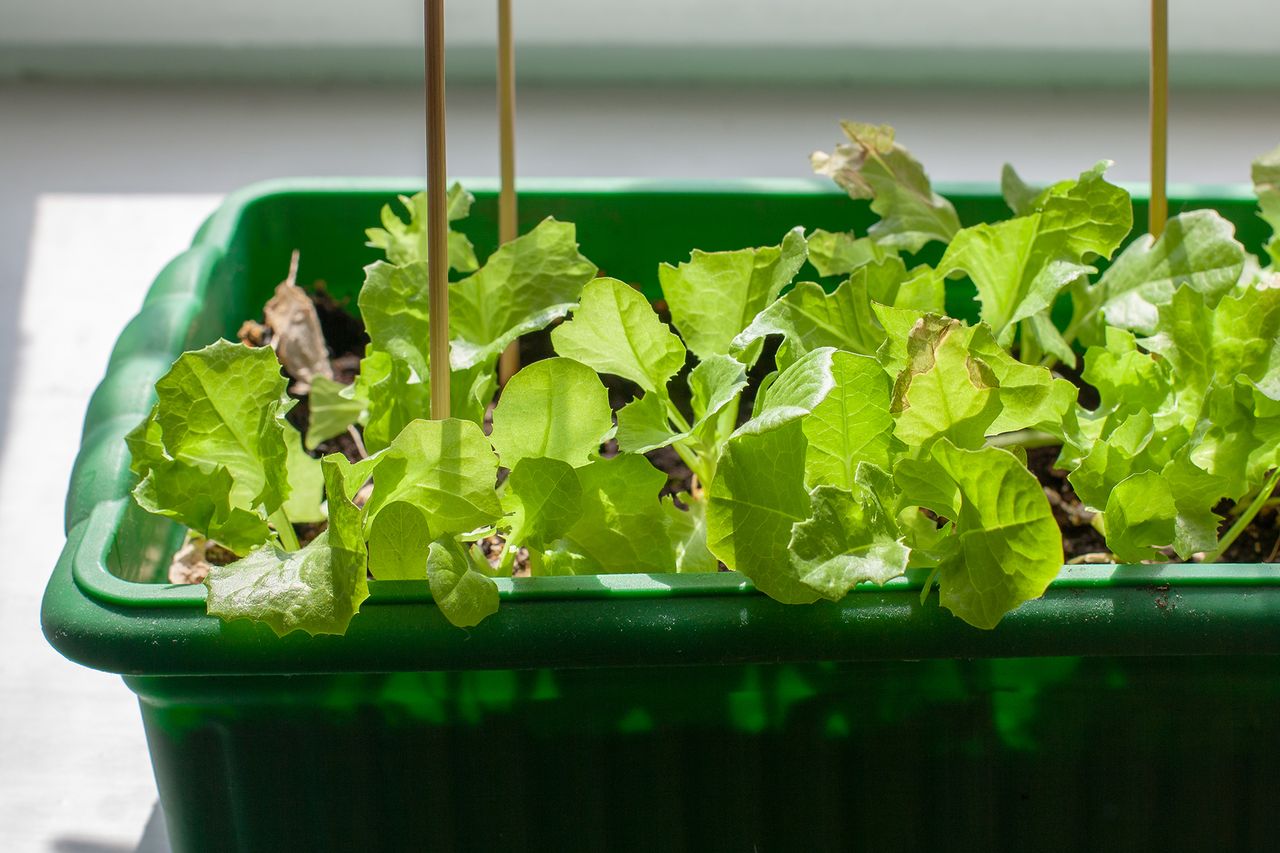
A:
[(253, 333), (189, 565), (295, 332)]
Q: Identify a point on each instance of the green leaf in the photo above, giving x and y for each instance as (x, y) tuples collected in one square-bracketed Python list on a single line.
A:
[(331, 408), (527, 283), (287, 590), (556, 408), (1140, 512), (444, 468), (622, 526), (394, 382), (1266, 183), (394, 398), (1031, 397), (1017, 194), (714, 295), (1005, 547), (202, 502), (644, 425), (1092, 215), (306, 482), (871, 165), (547, 501), (688, 532), (213, 453), (849, 539), (394, 304), (398, 539), (1018, 266), (1225, 372), (1021, 266), (1198, 249), (944, 391), (615, 330), (716, 385), (1126, 450), (794, 393), (317, 589), (851, 425), (406, 242), (1240, 338), (842, 253), (460, 583), (889, 283), (1127, 379), (342, 481), (757, 495), (809, 318), (1195, 493)]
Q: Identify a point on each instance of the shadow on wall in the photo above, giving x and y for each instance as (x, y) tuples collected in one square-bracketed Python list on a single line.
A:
[(155, 839)]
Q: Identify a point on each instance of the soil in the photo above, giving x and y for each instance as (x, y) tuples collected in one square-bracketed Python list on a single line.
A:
[(1260, 541), (1080, 539), (1082, 543)]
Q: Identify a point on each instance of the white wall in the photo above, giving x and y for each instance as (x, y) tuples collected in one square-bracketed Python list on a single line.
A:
[(1238, 25), (1003, 40)]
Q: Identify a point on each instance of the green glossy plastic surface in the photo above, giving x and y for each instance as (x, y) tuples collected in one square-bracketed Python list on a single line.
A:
[(654, 712)]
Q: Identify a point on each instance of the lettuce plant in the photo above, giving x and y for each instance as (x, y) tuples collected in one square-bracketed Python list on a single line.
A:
[(884, 437)]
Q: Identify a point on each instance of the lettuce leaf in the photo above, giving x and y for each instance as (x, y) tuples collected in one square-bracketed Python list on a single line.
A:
[(1004, 546), (849, 538), (461, 582), (872, 165), (757, 496), (622, 526), (840, 253), (445, 469), (525, 285), (406, 242), (1198, 249), (615, 330), (852, 425), (1266, 183), (1021, 266), (545, 497), (556, 408), (317, 589), (714, 295), (214, 451)]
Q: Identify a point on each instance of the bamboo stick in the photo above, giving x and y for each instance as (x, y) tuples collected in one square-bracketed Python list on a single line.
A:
[(1158, 209), (507, 228), (437, 213)]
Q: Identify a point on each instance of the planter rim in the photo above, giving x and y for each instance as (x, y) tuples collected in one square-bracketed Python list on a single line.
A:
[(1194, 602)]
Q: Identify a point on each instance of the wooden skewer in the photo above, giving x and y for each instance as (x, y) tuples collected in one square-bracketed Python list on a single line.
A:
[(437, 213), (1158, 208), (507, 228)]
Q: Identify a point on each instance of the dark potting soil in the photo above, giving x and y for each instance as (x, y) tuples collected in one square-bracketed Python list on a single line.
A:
[(1079, 537), (346, 338)]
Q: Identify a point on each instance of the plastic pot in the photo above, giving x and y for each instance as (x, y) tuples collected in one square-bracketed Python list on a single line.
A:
[(654, 712)]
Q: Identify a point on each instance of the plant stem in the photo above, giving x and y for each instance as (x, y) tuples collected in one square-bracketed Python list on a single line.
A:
[(507, 563), (677, 417), (284, 529), (1244, 520), (1026, 438), (1030, 347), (695, 463)]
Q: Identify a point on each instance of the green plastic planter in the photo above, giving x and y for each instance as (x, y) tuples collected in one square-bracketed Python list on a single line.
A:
[(1131, 706)]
